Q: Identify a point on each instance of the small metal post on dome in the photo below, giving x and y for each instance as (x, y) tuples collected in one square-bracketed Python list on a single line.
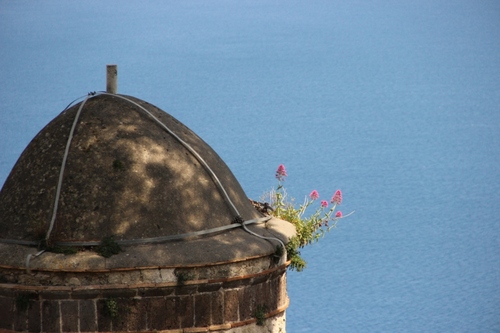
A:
[(111, 79)]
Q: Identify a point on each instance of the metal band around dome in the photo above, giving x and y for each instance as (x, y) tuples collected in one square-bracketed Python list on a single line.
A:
[(152, 240)]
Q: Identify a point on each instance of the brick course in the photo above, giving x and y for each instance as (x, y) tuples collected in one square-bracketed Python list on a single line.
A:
[(196, 306)]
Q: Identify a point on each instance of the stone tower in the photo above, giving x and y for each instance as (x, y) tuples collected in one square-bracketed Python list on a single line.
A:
[(117, 217)]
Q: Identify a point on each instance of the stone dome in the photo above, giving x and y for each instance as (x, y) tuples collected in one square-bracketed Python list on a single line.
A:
[(133, 172)]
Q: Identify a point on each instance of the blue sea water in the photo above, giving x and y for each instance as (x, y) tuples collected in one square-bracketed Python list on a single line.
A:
[(395, 102)]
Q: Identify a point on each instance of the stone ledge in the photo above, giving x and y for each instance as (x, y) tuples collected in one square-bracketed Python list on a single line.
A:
[(138, 277), (230, 247), (236, 280)]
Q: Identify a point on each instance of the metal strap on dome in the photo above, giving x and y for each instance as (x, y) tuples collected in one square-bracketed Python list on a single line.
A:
[(152, 240), (59, 182), (267, 238), (28, 258), (179, 237), (63, 166), (188, 147)]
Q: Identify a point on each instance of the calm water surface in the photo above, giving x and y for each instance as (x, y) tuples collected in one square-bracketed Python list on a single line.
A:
[(395, 102)]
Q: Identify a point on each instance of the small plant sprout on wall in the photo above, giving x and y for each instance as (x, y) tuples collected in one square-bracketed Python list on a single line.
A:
[(309, 228)]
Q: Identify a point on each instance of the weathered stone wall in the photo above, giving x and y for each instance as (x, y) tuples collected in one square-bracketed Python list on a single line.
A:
[(224, 298)]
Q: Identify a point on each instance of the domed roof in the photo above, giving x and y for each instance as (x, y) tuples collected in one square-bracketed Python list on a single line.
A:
[(131, 171)]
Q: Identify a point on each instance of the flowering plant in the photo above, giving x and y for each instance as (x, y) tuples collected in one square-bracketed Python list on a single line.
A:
[(309, 228)]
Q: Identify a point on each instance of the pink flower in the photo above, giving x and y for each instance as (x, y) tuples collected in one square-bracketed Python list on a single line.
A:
[(337, 197), (324, 203), (314, 195), (281, 172), (339, 214)]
